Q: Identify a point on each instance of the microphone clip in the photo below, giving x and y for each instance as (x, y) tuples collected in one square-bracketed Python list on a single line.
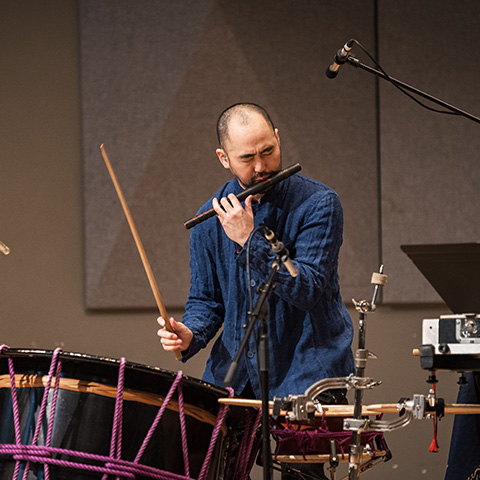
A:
[(342, 55), (280, 250)]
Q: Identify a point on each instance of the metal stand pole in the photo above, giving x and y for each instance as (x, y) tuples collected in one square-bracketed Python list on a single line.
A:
[(259, 313), (361, 356)]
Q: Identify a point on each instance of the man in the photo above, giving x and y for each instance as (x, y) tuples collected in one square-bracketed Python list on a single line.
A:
[(310, 331), (464, 454)]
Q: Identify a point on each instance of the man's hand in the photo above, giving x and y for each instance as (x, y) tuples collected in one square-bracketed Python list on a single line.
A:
[(236, 220), (179, 340)]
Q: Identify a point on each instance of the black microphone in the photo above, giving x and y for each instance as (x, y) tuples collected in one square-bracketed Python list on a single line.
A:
[(340, 59), (279, 248)]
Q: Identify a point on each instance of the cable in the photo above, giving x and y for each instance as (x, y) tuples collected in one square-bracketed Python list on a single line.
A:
[(249, 280), (395, 84)]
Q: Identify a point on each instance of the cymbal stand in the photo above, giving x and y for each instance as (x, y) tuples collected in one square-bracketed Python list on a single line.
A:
[(357, 424)]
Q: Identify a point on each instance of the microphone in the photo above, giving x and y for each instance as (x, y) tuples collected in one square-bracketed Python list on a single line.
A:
[(279, 248), (4, 249), (340, 59)]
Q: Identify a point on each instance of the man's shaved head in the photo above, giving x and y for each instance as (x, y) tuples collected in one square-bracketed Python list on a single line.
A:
[(242, 112)]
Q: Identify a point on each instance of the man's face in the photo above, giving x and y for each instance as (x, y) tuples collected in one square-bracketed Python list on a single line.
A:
[(251, 151)]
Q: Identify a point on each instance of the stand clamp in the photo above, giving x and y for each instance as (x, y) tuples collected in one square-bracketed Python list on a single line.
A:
[(302, 407), (423, 407)]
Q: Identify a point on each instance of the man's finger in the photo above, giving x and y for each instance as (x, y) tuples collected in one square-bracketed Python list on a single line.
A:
[(234, 201), (225, 202), (248, 204), (217, 207), (170, 341)]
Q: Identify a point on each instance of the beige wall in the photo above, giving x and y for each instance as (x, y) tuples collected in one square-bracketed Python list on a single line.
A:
[(41, 281)]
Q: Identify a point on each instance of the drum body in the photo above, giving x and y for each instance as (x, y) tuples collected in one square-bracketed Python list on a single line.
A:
[(84, 416)]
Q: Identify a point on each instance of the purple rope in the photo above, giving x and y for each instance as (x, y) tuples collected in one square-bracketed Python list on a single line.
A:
[(246, 459), (241, 460), (158, 417), (119, 408), (123, 468), (54, 404), (43, 407), (307, 440), (183, 430), (44, 454), (250, 444), (242, 451), (16, 415), (111, 466), (222, 412), (116, 438)]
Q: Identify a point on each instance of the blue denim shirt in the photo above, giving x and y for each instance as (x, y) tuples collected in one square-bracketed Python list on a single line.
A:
[(310, 330)]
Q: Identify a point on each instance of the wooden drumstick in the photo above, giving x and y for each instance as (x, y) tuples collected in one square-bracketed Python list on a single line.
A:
[(141, 250), (346, 410)]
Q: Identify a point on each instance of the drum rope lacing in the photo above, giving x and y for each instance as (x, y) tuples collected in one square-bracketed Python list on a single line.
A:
[(307, 441), (244, 459), (113, 464)]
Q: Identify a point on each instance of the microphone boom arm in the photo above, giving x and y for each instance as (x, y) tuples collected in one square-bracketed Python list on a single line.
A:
[(351, 60)]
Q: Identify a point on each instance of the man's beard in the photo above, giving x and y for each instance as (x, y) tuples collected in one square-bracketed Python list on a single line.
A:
[(258, 179)]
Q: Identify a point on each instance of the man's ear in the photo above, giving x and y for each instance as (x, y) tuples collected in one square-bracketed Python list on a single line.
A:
[(222, 156), (276, 134)]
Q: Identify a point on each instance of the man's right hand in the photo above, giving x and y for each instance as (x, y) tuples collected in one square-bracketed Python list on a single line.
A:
[(180, 339), (237, 221)]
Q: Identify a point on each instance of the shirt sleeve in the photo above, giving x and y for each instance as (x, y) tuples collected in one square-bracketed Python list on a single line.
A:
[(204, 310), (314, 254)]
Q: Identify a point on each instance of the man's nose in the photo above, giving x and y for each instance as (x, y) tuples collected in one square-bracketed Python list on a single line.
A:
[(260, 164)]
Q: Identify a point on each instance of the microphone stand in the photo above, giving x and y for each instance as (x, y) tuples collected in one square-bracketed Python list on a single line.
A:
[(351, 60), (361, 355), (259, 313)]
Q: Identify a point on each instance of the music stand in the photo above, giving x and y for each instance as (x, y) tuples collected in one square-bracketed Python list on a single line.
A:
[(453, 270)]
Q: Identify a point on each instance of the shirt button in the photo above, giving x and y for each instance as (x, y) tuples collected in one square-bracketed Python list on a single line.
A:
[(253, 283), (250, 354)]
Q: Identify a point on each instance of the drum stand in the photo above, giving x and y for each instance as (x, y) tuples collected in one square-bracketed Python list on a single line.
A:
[(301, 406)]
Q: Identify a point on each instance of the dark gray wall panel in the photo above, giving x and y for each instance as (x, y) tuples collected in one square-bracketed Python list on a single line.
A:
[(155, 76), (430, 162)]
